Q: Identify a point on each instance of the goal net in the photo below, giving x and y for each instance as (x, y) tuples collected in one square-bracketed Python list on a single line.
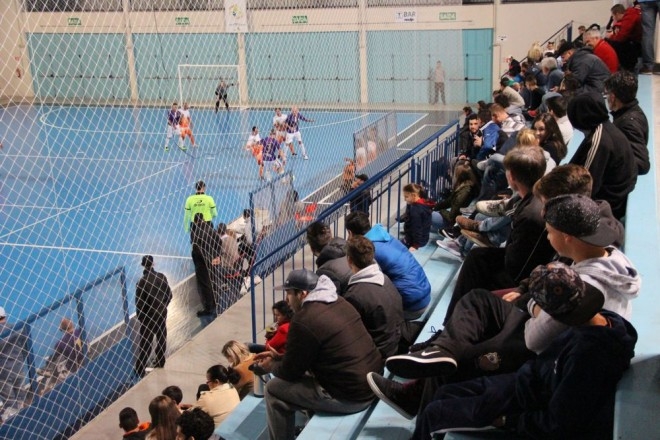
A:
[(201, 85)]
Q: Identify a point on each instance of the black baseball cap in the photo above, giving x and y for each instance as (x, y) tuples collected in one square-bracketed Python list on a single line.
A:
[(300, 279)]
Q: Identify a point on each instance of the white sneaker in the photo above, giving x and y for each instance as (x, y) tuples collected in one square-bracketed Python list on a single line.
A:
[(305, 157), (451, 247)]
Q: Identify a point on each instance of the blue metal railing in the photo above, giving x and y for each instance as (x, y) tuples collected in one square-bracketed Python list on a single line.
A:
[(417, 165)]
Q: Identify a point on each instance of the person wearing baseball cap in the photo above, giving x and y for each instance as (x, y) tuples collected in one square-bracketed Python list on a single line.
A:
[(567, 391), (327, 338), (578, 231)]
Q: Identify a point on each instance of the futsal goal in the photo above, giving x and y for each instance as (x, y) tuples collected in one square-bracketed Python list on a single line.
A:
[(199, 82)]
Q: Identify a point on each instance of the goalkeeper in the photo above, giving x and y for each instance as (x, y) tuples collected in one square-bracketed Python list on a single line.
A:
[(221, 94)]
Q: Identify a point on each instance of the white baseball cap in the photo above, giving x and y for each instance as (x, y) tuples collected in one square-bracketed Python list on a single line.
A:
[(3, 314)]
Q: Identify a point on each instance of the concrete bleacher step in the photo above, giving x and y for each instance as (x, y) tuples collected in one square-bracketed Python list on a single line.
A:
[(637, 401), (246, 422), (335, 426)]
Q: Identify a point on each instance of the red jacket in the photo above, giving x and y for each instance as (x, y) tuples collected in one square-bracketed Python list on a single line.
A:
[(605, 52), (278, 341), (629, 28)]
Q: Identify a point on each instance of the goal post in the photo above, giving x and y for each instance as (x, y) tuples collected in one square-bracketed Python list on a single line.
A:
[(198, 82)]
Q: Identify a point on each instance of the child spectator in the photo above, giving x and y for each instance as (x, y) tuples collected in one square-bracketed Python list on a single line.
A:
[(174, 393), (239, 357), (194, 425), (464, 188), (417, 218), (133, 429), (164, 413)]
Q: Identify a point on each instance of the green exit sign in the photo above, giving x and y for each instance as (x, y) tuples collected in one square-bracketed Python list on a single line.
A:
[(299, 19), (447, 16), (74, 21), (182, 21)]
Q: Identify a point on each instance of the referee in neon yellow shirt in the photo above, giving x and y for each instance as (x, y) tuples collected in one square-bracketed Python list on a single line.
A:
[(199, 203)]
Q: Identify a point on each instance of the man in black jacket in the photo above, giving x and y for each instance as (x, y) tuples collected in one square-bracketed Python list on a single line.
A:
[(152, 296), (590, 71), (206, 249), (621, 89), (605, 152), (326, 338)]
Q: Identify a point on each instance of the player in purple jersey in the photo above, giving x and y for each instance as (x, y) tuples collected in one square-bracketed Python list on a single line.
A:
[(173, 120), (270, 155), (292, 131)]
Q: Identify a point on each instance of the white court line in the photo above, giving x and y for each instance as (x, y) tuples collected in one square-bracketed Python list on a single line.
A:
[(417, 131), (90, 201), (42, 118), (7, 205), (97, 251), (100, 159), (415, 122)]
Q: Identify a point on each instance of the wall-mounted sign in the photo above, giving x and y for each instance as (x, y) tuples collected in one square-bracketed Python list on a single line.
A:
[(447, 16), (74, 21), (408, 16), (236, 16), (182, 21), (299, 19)]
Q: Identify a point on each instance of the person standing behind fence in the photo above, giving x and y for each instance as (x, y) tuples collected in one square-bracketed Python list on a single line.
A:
[(206, 247), (199, 203), (152, 296), (439, 83), (293, 132), (12, 358)]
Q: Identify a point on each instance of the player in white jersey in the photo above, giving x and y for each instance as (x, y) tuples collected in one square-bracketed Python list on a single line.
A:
[(173, 120), (279, 117)]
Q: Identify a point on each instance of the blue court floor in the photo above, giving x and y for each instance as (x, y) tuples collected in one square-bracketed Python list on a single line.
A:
[(86, 189)]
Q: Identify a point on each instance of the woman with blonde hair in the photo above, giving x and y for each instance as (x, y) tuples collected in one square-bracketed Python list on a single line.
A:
[(164, 413), (239, 357)]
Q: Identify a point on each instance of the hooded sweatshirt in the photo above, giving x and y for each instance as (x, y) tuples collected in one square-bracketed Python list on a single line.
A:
[(396, 261), (417, 223), (327, 338), (379, 304), (332, 262)]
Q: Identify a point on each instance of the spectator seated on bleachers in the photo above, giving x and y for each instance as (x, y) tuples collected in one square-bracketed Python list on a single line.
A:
[(130, 423), (338, 360), (330, 255), (417, 217), (374, 296), (526, 247), (194, 425), (217, 396), (567, 392), (400, 266), (465, 187), (240, 358), (164, 414), (605, 152)]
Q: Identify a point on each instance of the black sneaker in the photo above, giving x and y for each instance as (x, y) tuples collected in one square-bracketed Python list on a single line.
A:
[(403, 398), (430, 362), (451, 233), (422, 345)]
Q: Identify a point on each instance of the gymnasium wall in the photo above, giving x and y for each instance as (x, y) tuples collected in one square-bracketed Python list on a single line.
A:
[(396, 58)]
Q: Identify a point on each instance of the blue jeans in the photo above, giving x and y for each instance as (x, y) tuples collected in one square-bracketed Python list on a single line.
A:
[(649, 15)]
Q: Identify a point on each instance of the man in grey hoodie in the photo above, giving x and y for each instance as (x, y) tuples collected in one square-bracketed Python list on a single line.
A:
[(328, 339), (374, 296), (330, 255)]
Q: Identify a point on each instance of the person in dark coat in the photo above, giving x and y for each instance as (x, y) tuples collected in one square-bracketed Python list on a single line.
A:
[(621, 89), (133, 429), (417, 217), (206, 247), (152, 296), (589, 70), (605, 152), (362, 201), (374, 296)]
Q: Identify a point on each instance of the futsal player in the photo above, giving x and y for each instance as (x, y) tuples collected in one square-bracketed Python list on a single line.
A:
[(254, 146), (270, 152), (221, 93), (293, 132), (279, 118), (186, 125), (173, 121)]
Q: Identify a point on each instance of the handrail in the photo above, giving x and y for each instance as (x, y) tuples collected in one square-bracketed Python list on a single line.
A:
[(568, 27)]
